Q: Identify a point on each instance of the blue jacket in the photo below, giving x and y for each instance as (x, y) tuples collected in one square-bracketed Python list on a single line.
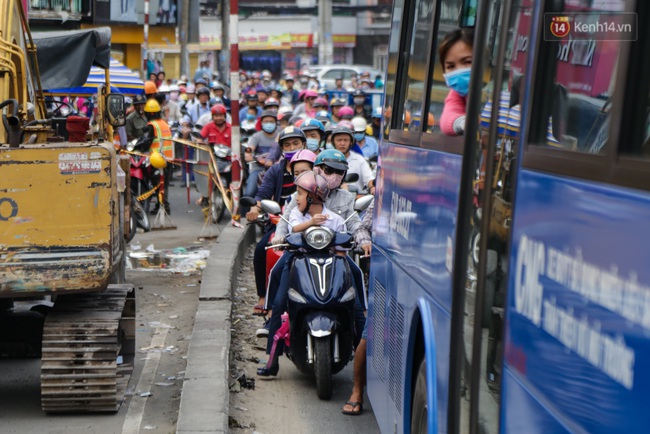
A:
[(271, 187)]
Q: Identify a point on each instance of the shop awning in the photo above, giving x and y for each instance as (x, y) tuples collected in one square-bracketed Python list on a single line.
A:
[(123, 81)]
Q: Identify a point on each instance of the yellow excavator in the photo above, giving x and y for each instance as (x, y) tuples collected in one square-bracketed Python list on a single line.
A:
[(62, 221)]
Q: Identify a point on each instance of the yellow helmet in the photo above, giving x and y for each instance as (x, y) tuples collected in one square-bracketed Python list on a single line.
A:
[(157, 160), (152, 106)]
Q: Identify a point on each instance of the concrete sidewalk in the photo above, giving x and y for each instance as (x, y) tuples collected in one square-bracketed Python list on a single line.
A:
[(205, 396)]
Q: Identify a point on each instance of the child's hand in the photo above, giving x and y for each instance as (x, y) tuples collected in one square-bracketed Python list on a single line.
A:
[(319, 219)]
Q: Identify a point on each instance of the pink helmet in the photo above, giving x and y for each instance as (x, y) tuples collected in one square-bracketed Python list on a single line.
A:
[(346, 112), (311, 94), (320, 102), (303, 155), (314, 184), (346, 124)]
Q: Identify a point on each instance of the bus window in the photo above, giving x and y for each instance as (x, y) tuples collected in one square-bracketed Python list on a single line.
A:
[(392, 69), (438, 90), (418, 61), (577, 94)]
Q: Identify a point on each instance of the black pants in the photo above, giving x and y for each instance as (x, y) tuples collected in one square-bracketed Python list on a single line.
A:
[(259, 263)]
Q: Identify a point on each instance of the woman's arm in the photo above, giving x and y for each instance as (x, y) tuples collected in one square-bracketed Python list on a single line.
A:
[(452, 120)]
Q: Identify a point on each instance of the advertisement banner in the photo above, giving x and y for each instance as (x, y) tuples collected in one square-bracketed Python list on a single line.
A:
[(344, 41), (265, 42), (302, 40), (210, 33)]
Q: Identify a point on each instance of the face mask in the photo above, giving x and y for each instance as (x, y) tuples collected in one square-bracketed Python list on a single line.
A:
[(288, 155), (459, 80), (359, 137), (313, 144), (329, 145), (269, 128), (333, 181), (359, 101), (250, 117)]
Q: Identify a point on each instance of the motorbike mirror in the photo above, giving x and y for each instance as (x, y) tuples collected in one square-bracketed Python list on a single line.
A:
[(131, 145), (363, 203), (351, 177), (352, 188), (116, 110), (247, 201), (271, 207)]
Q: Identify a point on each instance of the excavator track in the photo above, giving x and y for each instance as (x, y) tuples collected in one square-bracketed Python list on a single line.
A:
[(88, 351)]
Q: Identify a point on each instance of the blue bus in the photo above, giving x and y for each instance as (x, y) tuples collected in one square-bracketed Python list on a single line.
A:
[(510, 278)]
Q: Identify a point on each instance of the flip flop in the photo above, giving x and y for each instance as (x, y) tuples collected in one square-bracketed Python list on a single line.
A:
[(354, 405), (258, 310)]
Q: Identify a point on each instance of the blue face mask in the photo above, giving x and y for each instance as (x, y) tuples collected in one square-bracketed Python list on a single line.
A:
[(329, 145), (359, 137), (269, 128), (313, 145), (250, 117), (459, 80)]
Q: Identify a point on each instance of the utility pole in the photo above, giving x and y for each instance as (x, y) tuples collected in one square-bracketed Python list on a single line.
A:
[(224, 59), (145, 42), (185, 24), (233, 36), (325, 46)]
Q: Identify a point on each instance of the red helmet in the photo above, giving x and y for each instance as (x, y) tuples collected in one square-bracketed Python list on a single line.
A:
[(218, 109)]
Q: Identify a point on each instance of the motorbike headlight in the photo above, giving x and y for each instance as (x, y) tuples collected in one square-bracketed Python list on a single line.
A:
[(295, 296), (131, 145), (349, 294), (318, 238), (221, 151)]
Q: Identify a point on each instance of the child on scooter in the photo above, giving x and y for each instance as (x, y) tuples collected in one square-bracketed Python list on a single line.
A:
[(311, 192)]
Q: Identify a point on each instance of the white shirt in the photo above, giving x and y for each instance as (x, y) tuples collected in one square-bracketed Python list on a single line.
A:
[(357, 164), (334, 221)]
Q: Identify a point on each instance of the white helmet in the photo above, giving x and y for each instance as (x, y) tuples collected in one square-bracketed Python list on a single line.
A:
[(163, 88), (359, 124), (173, 88)]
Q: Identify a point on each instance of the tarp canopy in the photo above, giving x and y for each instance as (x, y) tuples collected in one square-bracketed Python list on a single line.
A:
[(65, 57), (123, 81)]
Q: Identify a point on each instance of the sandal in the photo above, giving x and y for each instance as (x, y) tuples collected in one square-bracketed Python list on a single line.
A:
[(353, 405), (258, 310)]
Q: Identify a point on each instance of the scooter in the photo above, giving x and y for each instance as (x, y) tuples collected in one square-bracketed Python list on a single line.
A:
[(321, 301), (224, 166), (272, 255), (140, 183)]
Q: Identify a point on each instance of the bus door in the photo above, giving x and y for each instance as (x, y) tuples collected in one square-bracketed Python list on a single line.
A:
[(492, 134)]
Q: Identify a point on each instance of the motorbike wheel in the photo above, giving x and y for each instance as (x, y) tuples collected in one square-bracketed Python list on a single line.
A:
[(419, 408), (323, 367), (218, 206), (140, 215), (475, 245), (133, 227)]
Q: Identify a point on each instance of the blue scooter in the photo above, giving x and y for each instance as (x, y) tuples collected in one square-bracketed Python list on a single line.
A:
[(321, 301)]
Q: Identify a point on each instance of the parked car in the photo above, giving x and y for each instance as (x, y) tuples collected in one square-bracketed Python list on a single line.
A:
[(327, 74)]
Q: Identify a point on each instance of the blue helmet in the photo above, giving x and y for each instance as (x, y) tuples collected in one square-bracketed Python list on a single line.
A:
[(333, 159), (313, 124)]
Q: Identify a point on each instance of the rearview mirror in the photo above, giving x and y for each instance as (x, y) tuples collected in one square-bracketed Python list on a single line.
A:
[(363, 203), (247, 201), (270, 207), (351, 177), (116, 110)]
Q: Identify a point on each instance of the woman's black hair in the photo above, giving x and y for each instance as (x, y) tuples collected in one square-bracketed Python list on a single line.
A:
[(465, 35)]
